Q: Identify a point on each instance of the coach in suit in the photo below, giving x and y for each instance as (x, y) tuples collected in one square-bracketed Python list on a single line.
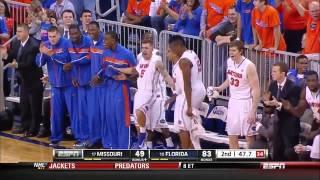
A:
[(22, 57), (287, 128)]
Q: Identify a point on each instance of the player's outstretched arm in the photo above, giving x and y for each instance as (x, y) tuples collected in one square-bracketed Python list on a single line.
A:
[(165, 74), (127, 70), (223, 86)]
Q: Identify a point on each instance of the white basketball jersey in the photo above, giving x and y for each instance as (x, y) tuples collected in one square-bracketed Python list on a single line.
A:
[(313, 100), (196, 73), (149, 76), (238, 80)]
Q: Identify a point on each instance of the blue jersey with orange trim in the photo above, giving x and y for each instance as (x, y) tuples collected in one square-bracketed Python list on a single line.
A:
[(120, 58), (57, 76), (96, 51), (80, 59)]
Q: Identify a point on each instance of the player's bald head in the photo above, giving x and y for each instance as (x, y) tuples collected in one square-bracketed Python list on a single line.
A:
[(314, 9)]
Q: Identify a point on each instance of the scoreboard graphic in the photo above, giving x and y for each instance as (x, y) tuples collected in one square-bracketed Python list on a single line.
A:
[(90, 159), (159, 155)]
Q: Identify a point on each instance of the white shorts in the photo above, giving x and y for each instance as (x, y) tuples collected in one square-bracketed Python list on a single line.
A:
[(143, 100), (181, 120), (152, 105), (238, 111), (156, 117)]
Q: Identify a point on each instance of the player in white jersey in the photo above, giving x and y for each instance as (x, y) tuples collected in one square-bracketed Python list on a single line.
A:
[(313, 94), (149, 99), (189, 89), (243, 82)]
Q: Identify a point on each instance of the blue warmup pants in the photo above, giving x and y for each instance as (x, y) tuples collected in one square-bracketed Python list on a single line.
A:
[(96, 112), (117, 126), (81, 127), (63, 99)]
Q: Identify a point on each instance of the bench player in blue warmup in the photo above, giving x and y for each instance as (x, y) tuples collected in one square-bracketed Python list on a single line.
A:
[(79, 49), (96, 101), (55, 54), (117, 126)]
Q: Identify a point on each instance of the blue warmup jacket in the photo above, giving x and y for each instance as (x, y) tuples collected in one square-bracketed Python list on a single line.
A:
[(57, 77), (80, 59), (96, 101), (117, 127)]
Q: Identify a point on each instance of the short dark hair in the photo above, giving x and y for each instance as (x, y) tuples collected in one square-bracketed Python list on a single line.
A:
[(74, 26), (51, 14), (85, 11), (53, 29), (147, 41), (177, 40), (95, 23), (238, 44), (311, 73), (113, 35), (283, 66), (302, 56), (67, 11), (24, 26)]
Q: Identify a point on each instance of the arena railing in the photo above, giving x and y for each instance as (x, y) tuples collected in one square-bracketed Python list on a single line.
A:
[(18, 11), (129, 35), (115, 6), (214, 60), (198, 45)]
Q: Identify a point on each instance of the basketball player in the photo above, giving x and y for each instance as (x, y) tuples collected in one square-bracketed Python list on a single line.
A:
[(149, 99), (189, 88), (243, 81)]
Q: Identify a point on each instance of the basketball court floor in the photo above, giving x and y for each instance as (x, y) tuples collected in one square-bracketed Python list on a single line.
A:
[(16, 148)]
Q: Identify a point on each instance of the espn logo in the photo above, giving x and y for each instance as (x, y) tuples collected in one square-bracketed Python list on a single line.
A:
[(273, 165)]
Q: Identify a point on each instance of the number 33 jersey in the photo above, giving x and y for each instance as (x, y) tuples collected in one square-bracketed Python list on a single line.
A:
[(238, 80)]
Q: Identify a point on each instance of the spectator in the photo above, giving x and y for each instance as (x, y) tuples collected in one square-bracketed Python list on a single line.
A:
[(244, 8), (47, 3), (91, 6), (138, 13), (67, 19), (286, 132), (212, 14), (35, 14), (297, 74), (266, 27), (59, 6), (48, 19), (313, 25), (86, 18), (166, 14), (189, 20), (78, 7), (6, 22), (227, 30), (294, 25)]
